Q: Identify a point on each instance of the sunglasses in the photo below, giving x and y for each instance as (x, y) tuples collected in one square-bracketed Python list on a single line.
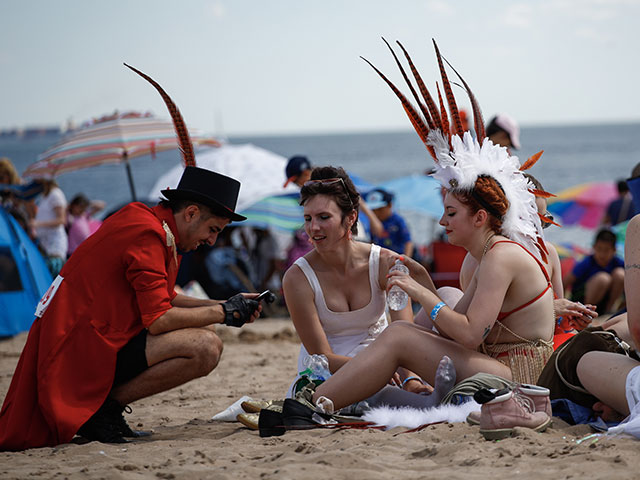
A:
[(550, 217), (331, 181)]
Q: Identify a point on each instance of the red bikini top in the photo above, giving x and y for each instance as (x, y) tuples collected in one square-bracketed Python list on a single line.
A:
[(503, 315)]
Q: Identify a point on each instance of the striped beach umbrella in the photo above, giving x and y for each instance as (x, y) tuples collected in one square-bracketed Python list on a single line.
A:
[(116, 138)]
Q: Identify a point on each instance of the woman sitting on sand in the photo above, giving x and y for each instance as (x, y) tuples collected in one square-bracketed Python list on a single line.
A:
[(570, 316), (336, 293), (502, 325), (504, 322), (612, 378)]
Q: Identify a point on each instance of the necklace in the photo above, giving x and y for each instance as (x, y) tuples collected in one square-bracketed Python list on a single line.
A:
[(486, 245)]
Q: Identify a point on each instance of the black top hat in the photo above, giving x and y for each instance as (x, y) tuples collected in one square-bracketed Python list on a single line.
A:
[(216, 191)]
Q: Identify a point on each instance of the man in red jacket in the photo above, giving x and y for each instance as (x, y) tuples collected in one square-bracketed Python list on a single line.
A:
[(111, 329)]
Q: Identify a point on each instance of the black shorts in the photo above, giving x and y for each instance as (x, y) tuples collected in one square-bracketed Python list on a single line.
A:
[(132, 360)]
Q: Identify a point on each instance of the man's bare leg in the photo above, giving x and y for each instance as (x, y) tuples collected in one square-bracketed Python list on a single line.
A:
[(617, 287), (174, 358)]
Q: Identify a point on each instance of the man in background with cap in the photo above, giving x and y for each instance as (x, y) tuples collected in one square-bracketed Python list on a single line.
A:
[(395, 234), (298, 170), (504, 130), (111, 329)]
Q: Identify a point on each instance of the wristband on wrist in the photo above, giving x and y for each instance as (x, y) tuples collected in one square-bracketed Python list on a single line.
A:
[(411, 378), (436, 310)]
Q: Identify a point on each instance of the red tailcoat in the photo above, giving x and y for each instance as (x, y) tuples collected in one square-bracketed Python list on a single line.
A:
[(115, 284)]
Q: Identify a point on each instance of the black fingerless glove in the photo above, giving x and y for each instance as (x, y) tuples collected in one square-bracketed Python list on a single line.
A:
[(238, 310)]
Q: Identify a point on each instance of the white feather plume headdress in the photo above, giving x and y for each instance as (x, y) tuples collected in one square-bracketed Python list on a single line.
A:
[(460, 158)]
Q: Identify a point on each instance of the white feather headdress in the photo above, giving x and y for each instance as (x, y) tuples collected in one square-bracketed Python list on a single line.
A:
[(460, 159)]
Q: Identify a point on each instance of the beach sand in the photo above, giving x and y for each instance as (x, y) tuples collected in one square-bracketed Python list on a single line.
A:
[(259, 360)]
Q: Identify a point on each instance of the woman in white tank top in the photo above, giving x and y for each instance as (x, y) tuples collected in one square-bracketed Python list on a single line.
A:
[(336, 293)]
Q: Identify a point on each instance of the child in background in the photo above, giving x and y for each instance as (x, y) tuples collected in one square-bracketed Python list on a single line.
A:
[(599, 278), (80, 224), (395, 235)]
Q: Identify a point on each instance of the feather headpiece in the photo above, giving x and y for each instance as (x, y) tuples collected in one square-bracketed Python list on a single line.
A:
[(460, 158), (186, 147)]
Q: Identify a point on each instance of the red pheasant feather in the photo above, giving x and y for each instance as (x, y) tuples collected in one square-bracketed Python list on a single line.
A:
[(451, 100), (423, 109), (186, 147), (531, 161), (545, 219), (478, 121), (445, 120), (541, 193), (414, 116), (431, 104)]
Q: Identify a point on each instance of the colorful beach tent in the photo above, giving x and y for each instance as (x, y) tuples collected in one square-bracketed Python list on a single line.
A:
[(24, 277), (584, 204)]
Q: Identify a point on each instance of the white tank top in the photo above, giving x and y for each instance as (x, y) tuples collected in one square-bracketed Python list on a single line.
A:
[(348, 332)]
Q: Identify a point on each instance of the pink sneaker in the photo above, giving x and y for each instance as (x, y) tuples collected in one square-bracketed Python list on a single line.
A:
[(499, 416), (539, 396)]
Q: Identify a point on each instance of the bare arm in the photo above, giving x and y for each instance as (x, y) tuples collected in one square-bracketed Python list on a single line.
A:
[(408, 249), (186, 301), (177, 318), (468, 268), (632, 278), (579, 315), (300, 302), (377, 229), (60, 219)]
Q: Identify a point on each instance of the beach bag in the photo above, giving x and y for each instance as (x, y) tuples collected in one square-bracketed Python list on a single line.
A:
[(559, 374)]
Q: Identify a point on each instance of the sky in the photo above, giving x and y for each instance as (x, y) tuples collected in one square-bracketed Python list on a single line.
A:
[(261, 67)]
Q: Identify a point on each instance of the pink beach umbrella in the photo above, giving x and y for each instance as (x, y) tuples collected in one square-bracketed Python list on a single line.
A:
[(583, 204)]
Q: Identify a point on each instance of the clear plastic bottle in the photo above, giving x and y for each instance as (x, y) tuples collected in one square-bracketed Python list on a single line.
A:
[(398, 298), (316, 367)]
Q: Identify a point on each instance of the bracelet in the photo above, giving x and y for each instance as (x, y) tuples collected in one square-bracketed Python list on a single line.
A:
[(436, 310), (412, 378)]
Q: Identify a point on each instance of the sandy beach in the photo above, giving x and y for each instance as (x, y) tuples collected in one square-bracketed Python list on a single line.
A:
[(259, 361)]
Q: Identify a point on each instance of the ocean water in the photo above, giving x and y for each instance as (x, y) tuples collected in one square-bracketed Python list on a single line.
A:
[(572, 155)]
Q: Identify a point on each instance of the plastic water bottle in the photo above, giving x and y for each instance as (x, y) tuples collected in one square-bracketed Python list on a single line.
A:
[(316, 367), (398, 298)]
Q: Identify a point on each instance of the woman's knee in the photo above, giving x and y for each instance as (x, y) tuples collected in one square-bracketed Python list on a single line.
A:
[(207, 351)]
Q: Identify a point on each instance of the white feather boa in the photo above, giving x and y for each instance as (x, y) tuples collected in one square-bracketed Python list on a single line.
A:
[(409, 417)]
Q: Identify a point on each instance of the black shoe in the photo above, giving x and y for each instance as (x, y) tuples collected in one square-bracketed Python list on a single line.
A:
[(102, 426), (270, 423), (122, 424)]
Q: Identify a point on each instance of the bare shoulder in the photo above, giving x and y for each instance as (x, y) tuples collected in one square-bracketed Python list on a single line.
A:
[(295, 281)]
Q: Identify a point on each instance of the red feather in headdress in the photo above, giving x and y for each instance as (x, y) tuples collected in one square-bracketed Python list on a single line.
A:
[(451, 100), (186, 147), (531, 161)]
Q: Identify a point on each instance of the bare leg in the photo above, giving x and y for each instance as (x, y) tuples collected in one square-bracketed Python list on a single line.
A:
[(604, 375), (174, 358), (617, 287), (596, 288), (407, 345)]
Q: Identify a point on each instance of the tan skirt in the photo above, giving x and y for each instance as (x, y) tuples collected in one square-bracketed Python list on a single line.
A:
[(525, 360)]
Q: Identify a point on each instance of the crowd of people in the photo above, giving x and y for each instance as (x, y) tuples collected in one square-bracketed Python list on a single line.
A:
[(112, 328)]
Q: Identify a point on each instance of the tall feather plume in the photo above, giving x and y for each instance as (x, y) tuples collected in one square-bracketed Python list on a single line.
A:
[(446, 130), (414, 116), (431, 105), (186, 147), (478, 121), (423, 109), (451, 100), (531, 161)]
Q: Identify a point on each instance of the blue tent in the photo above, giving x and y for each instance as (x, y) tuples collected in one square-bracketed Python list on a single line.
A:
[(24, 277)]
